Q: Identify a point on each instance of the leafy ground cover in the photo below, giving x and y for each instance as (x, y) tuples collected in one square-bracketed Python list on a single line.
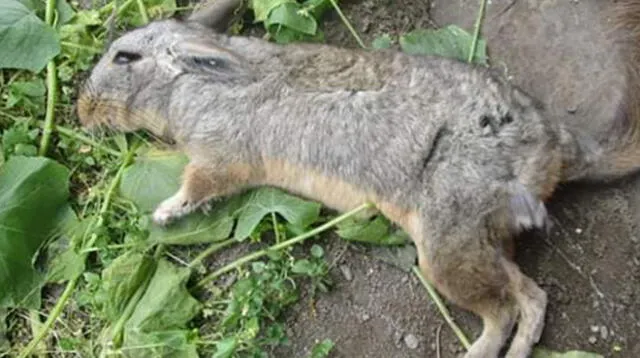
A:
[(84, 271)]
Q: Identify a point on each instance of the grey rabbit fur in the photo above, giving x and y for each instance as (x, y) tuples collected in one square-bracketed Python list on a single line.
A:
[(456, 156)]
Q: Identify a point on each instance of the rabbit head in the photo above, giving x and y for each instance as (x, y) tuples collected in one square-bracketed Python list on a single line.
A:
[(131, 85)]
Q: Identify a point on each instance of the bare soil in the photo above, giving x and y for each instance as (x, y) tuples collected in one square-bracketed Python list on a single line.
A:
[(589, 264)]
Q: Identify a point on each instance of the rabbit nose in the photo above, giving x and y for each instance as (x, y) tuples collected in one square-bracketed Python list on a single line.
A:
[(85, 110)]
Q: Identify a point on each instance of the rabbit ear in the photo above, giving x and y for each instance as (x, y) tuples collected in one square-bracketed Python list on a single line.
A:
[(218, 15), (201, 56)]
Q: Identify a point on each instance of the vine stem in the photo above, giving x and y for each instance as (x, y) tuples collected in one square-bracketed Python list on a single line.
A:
[(348, 24), (52, 88), (210, 251), (143, 12), (442, 308), (236, 264), (476, 31), (71, 285), (70, 133)]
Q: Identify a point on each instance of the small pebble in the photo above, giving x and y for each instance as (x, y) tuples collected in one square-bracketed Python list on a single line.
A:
[(604, 333), (595, 329), (593, 339), (346, 272), (411, 341), (405, 278), (578, 231), (397, 337), (365, 317)]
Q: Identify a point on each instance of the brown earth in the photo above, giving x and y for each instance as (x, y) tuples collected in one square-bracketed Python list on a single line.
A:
[(589, 265)]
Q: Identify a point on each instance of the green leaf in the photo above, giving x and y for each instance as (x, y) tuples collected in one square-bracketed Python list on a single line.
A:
[(289, 15), (30, 95), (32, 190), (317, 8), (66, 262), (303, 266), (157, 325), (153, 177), (156, 9), (451, 41), (262, 8), (226, 347), (269, 200), (322, 349), (194, 229), (64, 10), (376, 231), (545, 353), (32, 42), (161, 344), (381, 42), (317, 251), (122, 278), (285, 35)]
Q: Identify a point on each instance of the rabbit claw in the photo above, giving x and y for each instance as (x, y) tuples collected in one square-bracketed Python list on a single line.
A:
[(172, 208)]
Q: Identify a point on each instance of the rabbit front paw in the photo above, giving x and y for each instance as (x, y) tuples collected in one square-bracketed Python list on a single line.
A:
[(173, 208)]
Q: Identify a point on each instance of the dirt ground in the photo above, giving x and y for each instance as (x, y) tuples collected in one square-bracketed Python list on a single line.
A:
[(589, 265)]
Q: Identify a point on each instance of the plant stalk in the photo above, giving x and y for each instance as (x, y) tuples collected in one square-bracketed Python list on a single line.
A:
[(52, 97), (53, 316), (71, 285), (476, 31), (348, 24), (236, 264), (443, 310), (52, 86)]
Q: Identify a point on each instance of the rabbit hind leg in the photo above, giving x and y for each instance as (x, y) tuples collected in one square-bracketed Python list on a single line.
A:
[(486, 283)]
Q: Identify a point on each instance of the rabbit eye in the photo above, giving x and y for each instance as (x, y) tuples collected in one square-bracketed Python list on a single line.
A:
[(208, 62), (124, 57)]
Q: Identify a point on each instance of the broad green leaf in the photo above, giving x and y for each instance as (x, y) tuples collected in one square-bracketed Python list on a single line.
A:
[(199, 228), (64, 10), (262, 8), (66, 266), (322, 349), (285, 35), (451, 41), (161, 344), (226, 347), (153, 177), (157, 326), (268, 200), (32, 43), (166, 304), (376, 231), (65, 261), (288, 15), (545, 353), (32, 193), (122, 279), (317, 8), (381, 42)]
